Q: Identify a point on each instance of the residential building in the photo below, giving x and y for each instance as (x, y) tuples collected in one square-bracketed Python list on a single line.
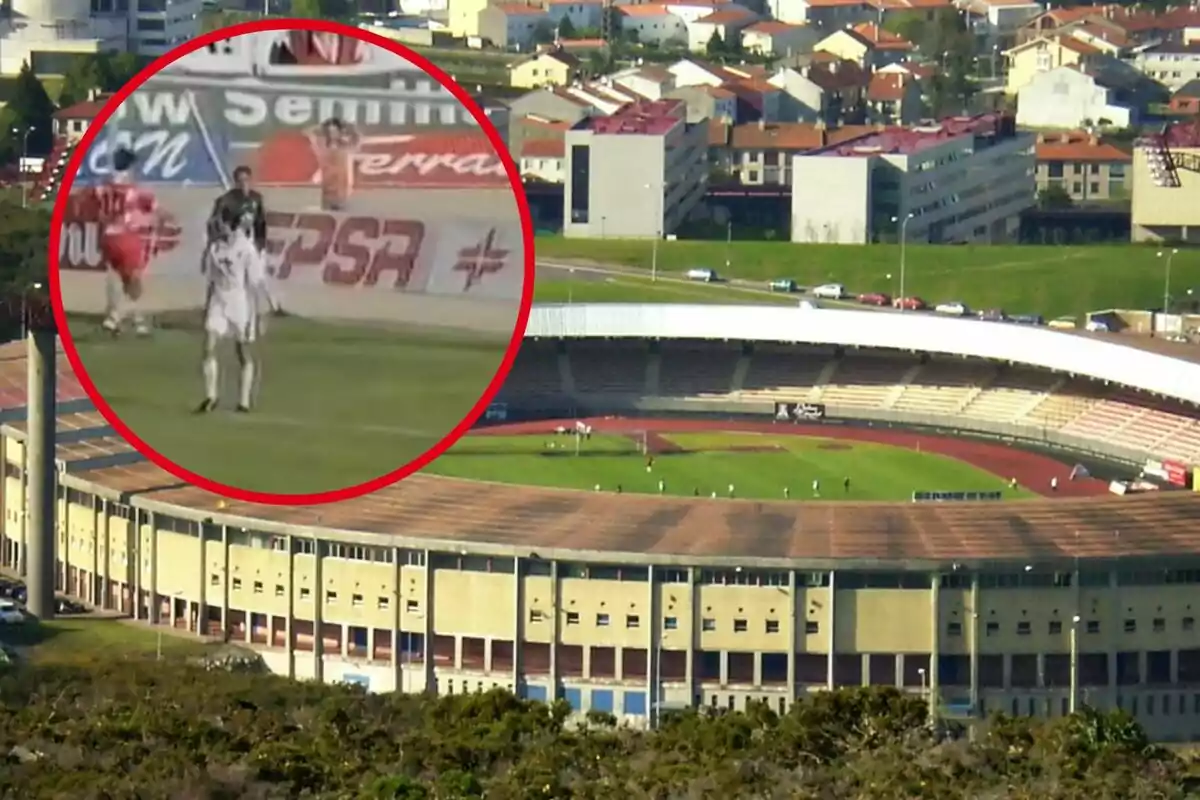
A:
[(636, 173), (726, 23), (1084, 166), (653, 24), (549, 67), (462, 18), (649, 81), (547, 133), (72, 122), (848, 45), (886, 47), (1044, 54), (844, 84), (994, 20), (760, 154), (1070, 98), (893, 98), (1170, 63), (707, 102), (964, 179), (774, 38), (542, 160), (1186, 100), (1166, 186), (50, 36), (583, 14), (802, 99), (514, 26), (551, 103)]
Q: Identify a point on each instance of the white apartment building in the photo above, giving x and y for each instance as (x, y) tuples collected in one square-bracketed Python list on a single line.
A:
[(50, 33), (1171, 64), (964, 179), (635, 174)]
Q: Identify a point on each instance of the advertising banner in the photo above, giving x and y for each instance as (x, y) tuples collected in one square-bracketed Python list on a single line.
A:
[(1176, 472), (799, 412)]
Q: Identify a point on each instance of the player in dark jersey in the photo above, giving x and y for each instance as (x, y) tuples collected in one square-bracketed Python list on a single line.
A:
[(244, 203)]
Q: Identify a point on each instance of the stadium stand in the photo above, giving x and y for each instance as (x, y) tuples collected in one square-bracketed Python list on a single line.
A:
[(966, 389)]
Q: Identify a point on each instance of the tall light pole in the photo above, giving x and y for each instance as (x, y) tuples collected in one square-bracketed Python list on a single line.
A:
[(728, 245), (1167, 281), (24, 157), (903, 236), (658, 207)]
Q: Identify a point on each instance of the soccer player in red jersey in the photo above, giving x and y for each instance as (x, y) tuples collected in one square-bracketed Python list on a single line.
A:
[(128, 219)]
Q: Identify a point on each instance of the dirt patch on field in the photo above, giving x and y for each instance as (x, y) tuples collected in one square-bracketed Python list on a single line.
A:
[(659, 445), (1031, 470), (833, 446)]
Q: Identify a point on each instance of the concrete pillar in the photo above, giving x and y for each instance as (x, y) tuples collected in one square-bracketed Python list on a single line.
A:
[(318, 603), (155, 608), (555, 631), (689, 658), (654, 650), (397, 600), (973, 643), (428, 602), (794, 619), (830, 658), (40, 472), (518, 622), (935, 637), (864, 660)]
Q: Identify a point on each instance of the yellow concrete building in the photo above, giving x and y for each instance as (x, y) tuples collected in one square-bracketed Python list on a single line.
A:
[(547, 68), (848, 45), (1044, 54), (463, 17), (449, 586), (1166, 186)]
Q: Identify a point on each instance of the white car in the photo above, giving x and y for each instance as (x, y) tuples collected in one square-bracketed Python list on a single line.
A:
[(11, 613), (954, 309), (830, 291)]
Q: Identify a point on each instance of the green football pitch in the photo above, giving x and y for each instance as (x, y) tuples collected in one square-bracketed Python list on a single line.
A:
[(759, 466), (337, 404)]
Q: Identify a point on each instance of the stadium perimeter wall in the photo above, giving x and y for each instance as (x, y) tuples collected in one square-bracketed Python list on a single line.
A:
[(1068, 353)]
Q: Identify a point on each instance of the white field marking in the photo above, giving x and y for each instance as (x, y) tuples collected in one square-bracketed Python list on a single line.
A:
[(258, 418)]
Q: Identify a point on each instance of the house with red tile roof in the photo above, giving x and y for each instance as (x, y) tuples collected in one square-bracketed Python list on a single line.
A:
[(726, 22), (893, 98), (1045, 53), (774, 38), (514, 25), (1083, 165)]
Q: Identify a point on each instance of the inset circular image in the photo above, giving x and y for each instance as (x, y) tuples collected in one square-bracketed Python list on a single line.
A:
[(292, 261)]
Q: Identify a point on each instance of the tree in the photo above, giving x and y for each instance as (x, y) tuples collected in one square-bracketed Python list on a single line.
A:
[(323, 9), (543, 33), (716, 45), (104, 72), (32, 111), (1053, 197), (566, 29)]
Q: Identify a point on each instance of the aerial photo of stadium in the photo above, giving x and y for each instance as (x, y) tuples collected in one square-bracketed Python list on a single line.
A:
[(717, 504)]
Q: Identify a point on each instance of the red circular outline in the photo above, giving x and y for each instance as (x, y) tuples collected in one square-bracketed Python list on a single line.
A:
[(335, 495)]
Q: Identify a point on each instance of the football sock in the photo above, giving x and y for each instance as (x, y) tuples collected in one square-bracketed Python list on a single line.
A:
[(211, 375), (246, 384)]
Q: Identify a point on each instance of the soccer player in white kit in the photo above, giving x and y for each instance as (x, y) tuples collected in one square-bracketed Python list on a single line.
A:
[(234, 271)]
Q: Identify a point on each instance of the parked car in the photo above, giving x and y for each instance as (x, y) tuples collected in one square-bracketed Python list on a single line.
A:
[(909, 304), (993, 315), (953, 308), (875, 299), (701, 274), (1028, 319), (11, 613), (811, 305), (1067, 323), (783, 285), (1098, 326), (830, 291)]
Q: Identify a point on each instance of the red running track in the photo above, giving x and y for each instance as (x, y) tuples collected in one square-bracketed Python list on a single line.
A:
[(1032, 470)]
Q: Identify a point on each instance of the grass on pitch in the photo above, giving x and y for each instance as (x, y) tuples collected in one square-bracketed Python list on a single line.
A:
[(338, 404), (876, 472), (1021, 279)]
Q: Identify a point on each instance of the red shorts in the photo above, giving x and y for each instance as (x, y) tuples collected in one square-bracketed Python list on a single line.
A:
[(126, 252)]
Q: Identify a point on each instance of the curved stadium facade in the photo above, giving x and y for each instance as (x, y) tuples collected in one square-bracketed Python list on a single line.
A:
[(632, 604)]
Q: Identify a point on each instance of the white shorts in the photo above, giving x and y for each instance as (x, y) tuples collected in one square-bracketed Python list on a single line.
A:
[(231, 317)]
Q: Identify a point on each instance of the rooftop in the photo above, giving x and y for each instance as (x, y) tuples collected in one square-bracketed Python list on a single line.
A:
[(912, 140), (647, 117), (1184, 134), (519, 9), (1078, 146)]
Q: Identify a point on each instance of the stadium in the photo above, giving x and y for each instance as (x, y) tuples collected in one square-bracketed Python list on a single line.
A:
[(633, 603)]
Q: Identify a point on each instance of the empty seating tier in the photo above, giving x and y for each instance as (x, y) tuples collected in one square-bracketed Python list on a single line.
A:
[(534, 373), (609, 367), (697, 370), (1009, 394), (864, 381), (943, 387), (783, 372)]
